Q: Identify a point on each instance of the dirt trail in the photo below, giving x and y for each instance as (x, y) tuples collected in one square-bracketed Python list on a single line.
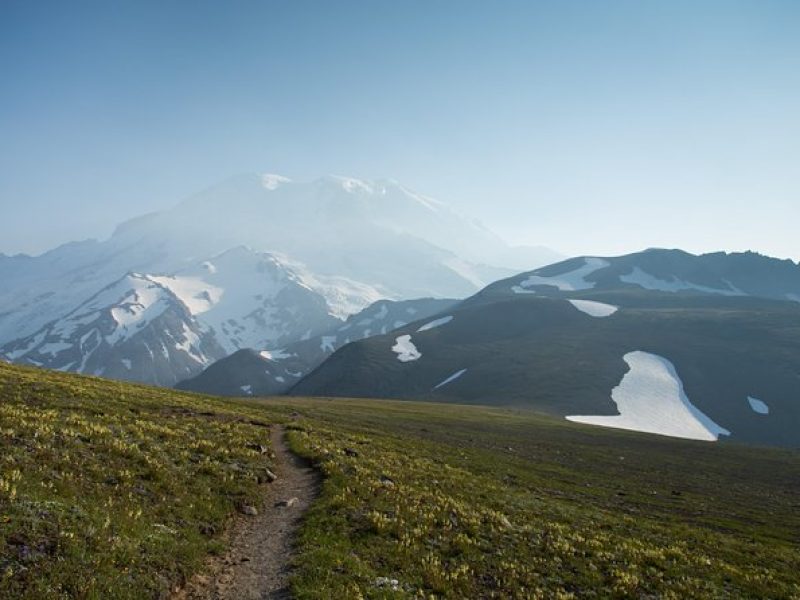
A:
[(257, 563)]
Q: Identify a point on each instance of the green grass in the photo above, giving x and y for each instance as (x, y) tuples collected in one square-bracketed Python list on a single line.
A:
[(110, 490), (495, 503)]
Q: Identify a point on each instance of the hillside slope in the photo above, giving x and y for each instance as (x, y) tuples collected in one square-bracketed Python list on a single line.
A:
[(112, 490), (691, 362), (471, 502)]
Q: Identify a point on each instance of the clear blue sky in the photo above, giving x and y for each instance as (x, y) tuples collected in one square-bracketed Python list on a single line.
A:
[(591, 127)]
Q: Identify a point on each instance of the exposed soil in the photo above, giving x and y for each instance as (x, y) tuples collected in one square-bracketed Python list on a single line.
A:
[(258, 561)]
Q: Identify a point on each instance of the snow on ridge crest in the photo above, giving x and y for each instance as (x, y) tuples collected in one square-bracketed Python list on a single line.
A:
[(650, 282), (566, 282), (272, 181), (352, 184)]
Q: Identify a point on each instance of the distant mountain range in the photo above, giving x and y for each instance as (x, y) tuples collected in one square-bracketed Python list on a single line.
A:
[(702, 347), (257, 261), (343, 287)]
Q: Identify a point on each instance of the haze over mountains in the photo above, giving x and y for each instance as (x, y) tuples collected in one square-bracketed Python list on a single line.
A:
[(344, 287), (256, 261)]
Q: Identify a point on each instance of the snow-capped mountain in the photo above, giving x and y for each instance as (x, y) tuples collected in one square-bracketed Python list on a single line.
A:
[(398, 243), (334, 246), (250, 300), (252, 373), (133, 329), (239, 299), (700, 347)]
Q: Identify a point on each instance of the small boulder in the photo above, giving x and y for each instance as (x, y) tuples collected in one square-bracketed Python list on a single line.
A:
[(250, 511), (351, 452), (287, 503), (267, 476)]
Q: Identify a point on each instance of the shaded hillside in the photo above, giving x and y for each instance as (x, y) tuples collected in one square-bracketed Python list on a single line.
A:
[(560, 344)]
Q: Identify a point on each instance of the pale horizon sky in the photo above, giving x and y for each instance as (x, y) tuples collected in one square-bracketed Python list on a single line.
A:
[(591, 128)]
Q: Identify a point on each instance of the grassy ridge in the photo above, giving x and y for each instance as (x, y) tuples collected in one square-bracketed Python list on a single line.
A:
[(109, 490), (465, 502)]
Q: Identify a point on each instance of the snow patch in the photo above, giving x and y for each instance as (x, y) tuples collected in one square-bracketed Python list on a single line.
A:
[(127, 364), (143, 302), (190, 344), (568, 282), (450, 379), (270, 181), (650, 398), (436, 323), (521, 290), (53, 348), (328, 343), (351, 184), (198, 295), (247, 389), (32, 343), (275, 354), (65, 328), (344, 296), (650, 282), (758, 406), (594, 309), (406, 351)]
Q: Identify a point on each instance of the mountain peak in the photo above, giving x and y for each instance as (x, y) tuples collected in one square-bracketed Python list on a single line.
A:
[(351, 185), (272, 181)]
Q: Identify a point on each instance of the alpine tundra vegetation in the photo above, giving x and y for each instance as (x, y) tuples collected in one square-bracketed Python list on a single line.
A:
[(112, 489)]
